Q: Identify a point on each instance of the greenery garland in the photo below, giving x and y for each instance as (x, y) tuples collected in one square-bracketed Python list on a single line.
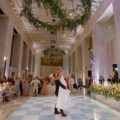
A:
[(55, 7)]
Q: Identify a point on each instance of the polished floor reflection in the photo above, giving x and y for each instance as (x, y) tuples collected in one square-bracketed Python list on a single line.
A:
[(83, 108)]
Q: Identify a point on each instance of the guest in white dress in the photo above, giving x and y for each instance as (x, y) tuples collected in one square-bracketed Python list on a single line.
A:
[(35, 84)]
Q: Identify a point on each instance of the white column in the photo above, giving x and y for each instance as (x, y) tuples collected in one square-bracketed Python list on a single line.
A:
[(79, 60), (70, 64), (76, 61), (76, 64), (20, 58), (100, 50), (31, 64), (37, 65), (116, 10), (66, 64), (85, 60), (73, 62), (27, 58), (8, 45), (3, 25)]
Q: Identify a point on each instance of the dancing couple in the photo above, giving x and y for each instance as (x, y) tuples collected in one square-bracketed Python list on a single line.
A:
[(61, 92)]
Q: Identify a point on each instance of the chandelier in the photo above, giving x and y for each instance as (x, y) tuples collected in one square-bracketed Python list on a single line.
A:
[(52, 57), (53, 52)]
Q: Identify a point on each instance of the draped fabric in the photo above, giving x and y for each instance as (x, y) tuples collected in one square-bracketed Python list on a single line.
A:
[(63, 100)]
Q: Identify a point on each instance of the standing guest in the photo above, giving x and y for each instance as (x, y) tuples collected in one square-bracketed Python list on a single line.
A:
[(109, 79), (80, 83), (44, 87), (101, 80), (1, 81), (68, 82), (115, 76), (35, 84), (75, 86), (21, 88), (25, 85), (39, 86), (71, 83), (4, 79), (12, 80), (6, 92), (1, 92), (17, 86)]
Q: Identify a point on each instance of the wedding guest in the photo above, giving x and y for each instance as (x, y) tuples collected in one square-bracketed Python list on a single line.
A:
[(17, 85), (35, 84), (25, 85), (71, 83), (101, 80), (80, 83), (109, 79), (44, 87), (21, 88), (115, 76), (6, 92), (67, 81)]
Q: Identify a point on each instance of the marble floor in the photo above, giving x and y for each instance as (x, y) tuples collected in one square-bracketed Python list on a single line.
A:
[(41, 108), (7, 108)]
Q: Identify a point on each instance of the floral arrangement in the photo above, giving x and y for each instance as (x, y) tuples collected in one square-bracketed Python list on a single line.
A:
[(56, 9), (108, 91)]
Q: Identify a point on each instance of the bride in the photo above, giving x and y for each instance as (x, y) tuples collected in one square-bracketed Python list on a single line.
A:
[(63, 100)]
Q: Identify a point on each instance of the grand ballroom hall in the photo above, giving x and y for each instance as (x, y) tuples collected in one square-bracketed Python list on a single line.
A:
[(59, 59)]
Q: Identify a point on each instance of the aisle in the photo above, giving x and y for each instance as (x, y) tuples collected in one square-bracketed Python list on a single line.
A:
[(83, 108)]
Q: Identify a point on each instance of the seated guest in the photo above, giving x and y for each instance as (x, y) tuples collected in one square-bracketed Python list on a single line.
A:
[(11, 81), (13, 90), (6, 92)]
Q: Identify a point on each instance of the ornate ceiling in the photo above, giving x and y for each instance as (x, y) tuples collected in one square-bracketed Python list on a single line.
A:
[(41, 38)]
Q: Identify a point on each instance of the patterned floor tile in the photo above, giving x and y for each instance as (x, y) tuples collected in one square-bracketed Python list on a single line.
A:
[(83, 108)]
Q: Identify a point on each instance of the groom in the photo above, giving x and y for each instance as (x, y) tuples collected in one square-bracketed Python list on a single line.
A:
[(59, 84)]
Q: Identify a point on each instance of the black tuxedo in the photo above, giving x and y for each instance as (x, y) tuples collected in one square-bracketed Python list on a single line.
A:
[(58, 84)]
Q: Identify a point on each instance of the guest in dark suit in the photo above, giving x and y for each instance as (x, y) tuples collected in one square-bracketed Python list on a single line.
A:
[(58, 84)]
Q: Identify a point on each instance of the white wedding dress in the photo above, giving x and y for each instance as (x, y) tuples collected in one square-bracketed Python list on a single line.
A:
[(63, 100)]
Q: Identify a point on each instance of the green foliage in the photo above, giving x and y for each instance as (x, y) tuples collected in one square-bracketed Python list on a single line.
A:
[(56, 9)]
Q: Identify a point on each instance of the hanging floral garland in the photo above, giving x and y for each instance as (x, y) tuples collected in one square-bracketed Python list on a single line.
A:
[(56, 9)]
